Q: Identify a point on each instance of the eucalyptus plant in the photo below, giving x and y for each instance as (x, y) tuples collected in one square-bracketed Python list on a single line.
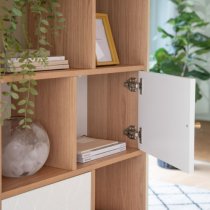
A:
[(188, 45), (14, 15)]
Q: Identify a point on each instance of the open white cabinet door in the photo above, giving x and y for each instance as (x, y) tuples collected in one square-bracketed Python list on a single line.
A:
[(166, 118)]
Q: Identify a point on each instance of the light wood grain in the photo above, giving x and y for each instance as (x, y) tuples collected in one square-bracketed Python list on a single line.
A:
[(55, 109), (77, 40), (111, 107), (49, 175), (0, 152), (14, 186), (93, 176), (129, 23), (76, 72), (122, 186)]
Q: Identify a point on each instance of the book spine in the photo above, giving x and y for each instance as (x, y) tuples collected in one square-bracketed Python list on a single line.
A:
[(106, 149), (85, 160)]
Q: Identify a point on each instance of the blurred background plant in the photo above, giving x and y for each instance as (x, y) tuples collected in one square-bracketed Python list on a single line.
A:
[(188, 45)]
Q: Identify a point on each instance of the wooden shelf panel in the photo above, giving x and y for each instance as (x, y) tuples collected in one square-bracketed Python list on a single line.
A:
[(15, 186), (77, 72), (49, 175)]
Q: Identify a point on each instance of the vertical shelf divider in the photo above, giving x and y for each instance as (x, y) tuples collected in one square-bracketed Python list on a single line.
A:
[(55, 109)]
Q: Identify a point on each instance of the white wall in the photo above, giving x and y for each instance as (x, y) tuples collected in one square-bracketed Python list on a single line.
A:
[(203, 106), (161, 11), (82, 106)]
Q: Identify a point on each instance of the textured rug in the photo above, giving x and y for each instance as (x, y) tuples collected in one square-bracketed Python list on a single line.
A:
[(164, 196)]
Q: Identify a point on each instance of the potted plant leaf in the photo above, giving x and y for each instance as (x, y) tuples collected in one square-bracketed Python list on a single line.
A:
[(187, 46), (13, 18)]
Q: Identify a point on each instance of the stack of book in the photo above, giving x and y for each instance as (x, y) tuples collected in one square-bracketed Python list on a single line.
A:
[(53, 63), (91, 149)]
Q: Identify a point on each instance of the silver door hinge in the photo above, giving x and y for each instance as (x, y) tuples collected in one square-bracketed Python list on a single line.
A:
[(133, 84), (133, 133)]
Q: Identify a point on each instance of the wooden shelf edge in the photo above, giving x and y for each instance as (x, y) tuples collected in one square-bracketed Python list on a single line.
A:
[(49, 175), (76, 72), (109, 160)]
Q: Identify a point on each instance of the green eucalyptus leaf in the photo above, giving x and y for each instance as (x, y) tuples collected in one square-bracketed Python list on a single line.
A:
[(4, 93), (30, 111), (14, 87), (34, 82), (31, 104), (43, 29), (33, 91), (45, 22), (16, 12), (21, 122), (21, 111), (61, 20), (22, 90), (25, 126), (14, 25), (13, 107), (23, 81), (43, 42), (59, 14), (14, 95), (29, 120), (22, 102)]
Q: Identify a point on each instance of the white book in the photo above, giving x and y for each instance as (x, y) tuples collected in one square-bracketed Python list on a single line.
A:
[(50, 58), (91, 153), (86, 144), (37, 64), (41, 68), (115, 151)]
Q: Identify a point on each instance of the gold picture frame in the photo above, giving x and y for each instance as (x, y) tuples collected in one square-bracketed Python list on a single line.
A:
[(106, 53)]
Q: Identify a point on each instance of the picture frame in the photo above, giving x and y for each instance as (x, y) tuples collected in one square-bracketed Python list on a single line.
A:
[(106, 53)]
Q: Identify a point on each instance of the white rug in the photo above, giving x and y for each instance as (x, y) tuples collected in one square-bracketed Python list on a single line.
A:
[(164, 196)]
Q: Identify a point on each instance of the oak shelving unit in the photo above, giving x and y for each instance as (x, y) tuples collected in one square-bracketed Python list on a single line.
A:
[(119, 181)]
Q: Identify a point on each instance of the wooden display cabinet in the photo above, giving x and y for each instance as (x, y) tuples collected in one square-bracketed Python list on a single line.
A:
[(119, 182)]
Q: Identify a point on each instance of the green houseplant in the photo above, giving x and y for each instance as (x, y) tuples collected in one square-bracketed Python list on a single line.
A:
[(188, 45), (13, 16)]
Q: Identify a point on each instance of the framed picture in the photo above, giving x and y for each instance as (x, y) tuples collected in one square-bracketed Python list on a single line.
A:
[(106, 53)]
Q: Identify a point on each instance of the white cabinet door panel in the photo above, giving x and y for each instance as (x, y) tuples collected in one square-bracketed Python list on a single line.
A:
[(166, 116), (70, 194)]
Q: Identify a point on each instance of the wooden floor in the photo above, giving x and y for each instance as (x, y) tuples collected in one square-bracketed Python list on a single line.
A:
[(201, 176)]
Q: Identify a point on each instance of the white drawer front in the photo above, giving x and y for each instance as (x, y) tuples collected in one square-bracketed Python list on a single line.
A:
[(70, 194)]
